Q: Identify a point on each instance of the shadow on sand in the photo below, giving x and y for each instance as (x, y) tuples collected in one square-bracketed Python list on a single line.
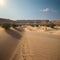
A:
[(19, 29), (14, 33), (8, 46)]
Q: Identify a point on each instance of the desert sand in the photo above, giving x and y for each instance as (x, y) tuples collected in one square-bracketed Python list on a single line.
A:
[(34, 44), (9, 40)]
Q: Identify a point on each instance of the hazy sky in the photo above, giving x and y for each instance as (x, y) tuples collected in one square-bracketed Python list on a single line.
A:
[(30, 9)]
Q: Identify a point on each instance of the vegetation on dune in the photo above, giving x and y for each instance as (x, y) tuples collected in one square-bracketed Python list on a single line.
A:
[(14, 25), (6, 25), (0, 24), (33, 25), (20, 24), (49, 25), (37, 25)]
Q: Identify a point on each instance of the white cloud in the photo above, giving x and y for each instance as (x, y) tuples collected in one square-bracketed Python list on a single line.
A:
[(47, 10)]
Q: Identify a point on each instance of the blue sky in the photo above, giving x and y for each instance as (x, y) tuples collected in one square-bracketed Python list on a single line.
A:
[(31, 9)]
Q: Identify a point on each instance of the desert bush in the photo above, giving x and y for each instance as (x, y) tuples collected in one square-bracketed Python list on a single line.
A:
[(0, 24), (20, 24), (42, 24), (14, 25), (6, 25), (37, 25), (50, 25), (32, 25)]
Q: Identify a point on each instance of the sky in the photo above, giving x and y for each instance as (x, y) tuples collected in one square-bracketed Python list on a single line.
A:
[(30, 9)]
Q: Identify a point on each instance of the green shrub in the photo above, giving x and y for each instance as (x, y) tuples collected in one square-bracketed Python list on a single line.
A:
[(20, 24), (42, 24), (37, 25), (0, 24), (6, 25), (50, 25), (32, 25), (14, 25)]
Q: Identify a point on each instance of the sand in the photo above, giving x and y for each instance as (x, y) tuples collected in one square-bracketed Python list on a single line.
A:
[(9, 40), (35, 44), (38, 46)]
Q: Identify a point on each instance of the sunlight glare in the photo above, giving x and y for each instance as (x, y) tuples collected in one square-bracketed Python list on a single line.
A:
[(2, 3)]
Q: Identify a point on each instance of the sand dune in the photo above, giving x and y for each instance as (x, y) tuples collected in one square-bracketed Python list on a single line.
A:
[(30, 43), (38, 46), (9, 40)]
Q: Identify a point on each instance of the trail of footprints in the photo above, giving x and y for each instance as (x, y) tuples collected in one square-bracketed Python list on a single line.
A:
[(23, 51)]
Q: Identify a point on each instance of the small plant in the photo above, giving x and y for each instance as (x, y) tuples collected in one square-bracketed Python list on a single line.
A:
[(20, 24), (37, 25), (14, 25), (50, 25), (0, 24), (6, 25), (32, 25)]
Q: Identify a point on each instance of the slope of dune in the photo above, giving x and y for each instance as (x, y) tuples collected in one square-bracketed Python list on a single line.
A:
[(9, 40), (38, 46), (32, 43)]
